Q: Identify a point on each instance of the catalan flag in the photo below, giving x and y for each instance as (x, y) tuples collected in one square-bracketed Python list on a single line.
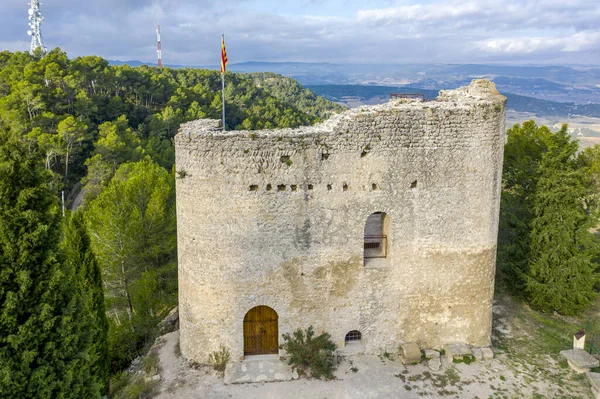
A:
[(223, 55)]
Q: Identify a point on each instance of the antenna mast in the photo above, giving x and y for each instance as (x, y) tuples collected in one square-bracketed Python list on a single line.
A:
[(35, 23), (159, 48)]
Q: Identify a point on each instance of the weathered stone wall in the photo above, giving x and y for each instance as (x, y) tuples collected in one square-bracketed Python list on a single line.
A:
[(434, 168)]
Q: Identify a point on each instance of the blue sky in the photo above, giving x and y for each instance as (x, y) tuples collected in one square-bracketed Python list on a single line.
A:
[(337, 31)]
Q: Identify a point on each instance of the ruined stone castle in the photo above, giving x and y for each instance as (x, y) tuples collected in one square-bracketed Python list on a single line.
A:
[(378, 226)]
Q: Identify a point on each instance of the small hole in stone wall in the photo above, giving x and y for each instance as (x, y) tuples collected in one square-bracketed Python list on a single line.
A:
[(310, 186), (374, 187), (269, 187), (281, 187), (413, 184), (345, 187), (294, 187), (329, 187), (254, 187), (324, 157), (363, 154)]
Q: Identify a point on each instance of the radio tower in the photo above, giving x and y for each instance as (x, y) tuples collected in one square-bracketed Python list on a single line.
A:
[(159, 50), (35, 23)]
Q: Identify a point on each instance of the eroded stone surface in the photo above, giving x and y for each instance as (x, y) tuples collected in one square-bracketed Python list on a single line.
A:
[(277, 218)]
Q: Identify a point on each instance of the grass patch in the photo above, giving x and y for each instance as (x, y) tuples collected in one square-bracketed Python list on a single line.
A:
[(219, 359), (126, 386), (150, 363), (137, 388), (468, 359)]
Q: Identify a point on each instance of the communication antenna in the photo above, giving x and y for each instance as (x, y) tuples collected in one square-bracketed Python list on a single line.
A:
[(159, 48), (35, 23)]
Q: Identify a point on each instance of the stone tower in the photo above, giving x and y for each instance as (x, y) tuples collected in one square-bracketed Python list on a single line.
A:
[(378, 226)]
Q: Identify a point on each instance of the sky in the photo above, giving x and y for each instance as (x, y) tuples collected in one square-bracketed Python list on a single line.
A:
[(335, 31)]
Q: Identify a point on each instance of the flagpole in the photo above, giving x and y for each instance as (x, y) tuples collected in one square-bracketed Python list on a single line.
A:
[(223, 83)]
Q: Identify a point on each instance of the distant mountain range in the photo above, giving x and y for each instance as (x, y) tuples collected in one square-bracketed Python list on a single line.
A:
[(574, 85), (353, 95)]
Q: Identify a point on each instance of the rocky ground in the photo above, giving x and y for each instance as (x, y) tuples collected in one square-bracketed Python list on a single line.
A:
[(526, 366)]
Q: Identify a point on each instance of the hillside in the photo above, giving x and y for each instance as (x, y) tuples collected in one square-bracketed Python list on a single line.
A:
[(144, 106), (289, 90)]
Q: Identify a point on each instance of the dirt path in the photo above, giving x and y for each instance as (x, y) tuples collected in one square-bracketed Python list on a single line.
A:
[(372, 377)]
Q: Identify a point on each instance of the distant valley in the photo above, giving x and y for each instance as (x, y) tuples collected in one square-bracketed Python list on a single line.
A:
[(551, 95), (577, 84)]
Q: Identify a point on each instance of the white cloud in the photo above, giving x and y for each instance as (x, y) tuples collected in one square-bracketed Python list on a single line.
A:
[(386, 31), (581, 41)]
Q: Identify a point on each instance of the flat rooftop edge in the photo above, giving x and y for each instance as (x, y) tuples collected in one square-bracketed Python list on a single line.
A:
[(480, 91)]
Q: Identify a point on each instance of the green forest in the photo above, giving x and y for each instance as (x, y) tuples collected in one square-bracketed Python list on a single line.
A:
[(83, 292)]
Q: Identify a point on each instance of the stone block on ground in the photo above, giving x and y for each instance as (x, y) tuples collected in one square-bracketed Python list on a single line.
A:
[(488, 353), (249, 371), (431, 354), (457, 351), (579, 360), (434, 363), (594, 380), (410, 353), (477, 353)]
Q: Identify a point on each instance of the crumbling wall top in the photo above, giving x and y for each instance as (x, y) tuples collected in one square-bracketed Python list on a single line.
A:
[(480, 91)]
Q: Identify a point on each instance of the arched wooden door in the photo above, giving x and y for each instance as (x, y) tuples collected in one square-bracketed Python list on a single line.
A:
[(261, 331)]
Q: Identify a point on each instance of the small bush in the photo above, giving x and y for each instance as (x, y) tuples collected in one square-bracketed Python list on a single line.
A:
[(218, 359), (310, 353)]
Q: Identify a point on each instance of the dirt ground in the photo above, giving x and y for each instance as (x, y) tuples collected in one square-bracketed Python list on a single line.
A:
[(520, 369)]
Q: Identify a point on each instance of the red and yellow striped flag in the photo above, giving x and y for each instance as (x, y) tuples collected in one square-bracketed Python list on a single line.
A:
[(223, 55)]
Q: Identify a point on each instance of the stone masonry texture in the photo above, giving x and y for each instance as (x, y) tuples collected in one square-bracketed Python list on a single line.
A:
[(277, 218)]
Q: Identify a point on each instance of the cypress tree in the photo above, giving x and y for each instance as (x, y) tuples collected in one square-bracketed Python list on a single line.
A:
[(561, 274), (43, 329), (523, 153), (88, 276)]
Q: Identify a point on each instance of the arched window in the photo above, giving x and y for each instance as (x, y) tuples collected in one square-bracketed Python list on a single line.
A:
[(353, 338), (376, 244)]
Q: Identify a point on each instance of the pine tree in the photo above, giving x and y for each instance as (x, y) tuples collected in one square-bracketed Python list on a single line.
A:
[(561, 274), (43, 336), (523, 153), (132, 229), (79, 256)]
